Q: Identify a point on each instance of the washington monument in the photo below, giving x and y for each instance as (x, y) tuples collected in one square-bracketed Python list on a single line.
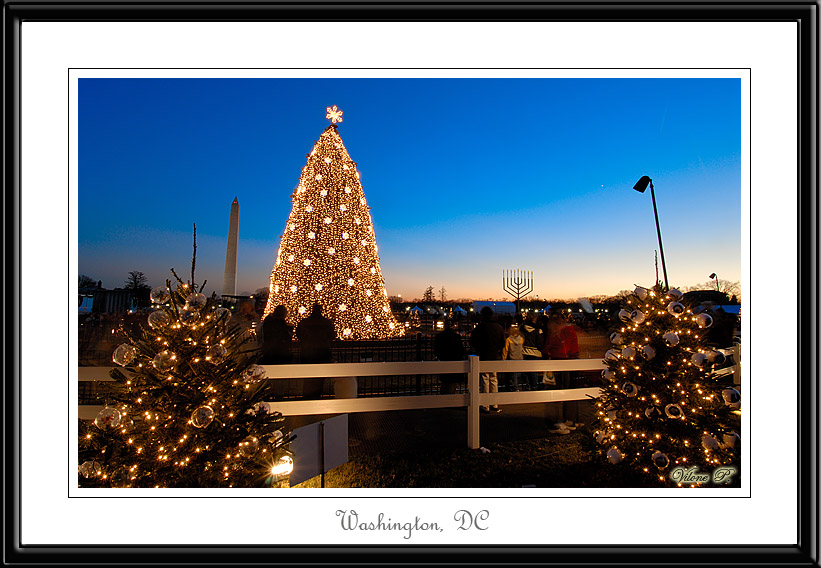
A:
[(229, 283)]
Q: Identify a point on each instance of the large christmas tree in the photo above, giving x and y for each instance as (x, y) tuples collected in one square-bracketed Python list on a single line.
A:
[(328, 253), (662, 407), (188, 408)]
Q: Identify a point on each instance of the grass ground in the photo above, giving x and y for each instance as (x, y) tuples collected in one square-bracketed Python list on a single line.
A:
[(556, 461)]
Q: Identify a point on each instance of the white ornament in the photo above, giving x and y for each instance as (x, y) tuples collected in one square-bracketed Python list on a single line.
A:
[(347, 189), (599, 436), (302, 310), (648, 352), (350, 282), (641, 292), (676, 308), (611, 355), (709, 443), (698, 359), (674, 294), (318, 177), (673, 411), (716, 357), (660, 460), (343, 207), (293, 288), (624, 315), (342, 307), (331, 250), (637, 316), (307, 262), (614, 455), (309, 208), (704, 320), (318, 287), (327, 160), (323, 193), (608, 375), (290, 258), (671, 338), (630, 389), (628, 352), (730, 440), (346, 332), (616, 338), (651, 411), (311, 235), (345, 236), (368, 319), (732, 398)]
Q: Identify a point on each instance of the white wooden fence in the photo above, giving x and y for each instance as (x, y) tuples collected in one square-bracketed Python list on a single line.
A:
[(472, 399)]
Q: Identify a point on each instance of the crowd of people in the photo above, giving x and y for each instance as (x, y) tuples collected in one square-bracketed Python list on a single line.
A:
[(528, 337)]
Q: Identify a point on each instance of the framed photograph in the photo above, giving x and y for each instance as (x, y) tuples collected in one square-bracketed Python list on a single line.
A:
[(386, 173)]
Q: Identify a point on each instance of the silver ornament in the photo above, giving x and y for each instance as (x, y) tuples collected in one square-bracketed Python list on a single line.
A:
[(202, 416), (676, 308), (673, 411), (637, 316), (195, 301), (671, 338), (614, 455), (160, 295), (660, 460), (641, 293), (628, 352), (704, 320), (648, 351), (124, 355)]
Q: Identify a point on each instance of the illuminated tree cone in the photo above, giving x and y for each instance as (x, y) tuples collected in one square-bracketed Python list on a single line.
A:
[(328, 253), (189, 406), (662, 407)]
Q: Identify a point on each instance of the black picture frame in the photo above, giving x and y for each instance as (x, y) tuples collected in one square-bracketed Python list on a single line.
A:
[(805, 14)]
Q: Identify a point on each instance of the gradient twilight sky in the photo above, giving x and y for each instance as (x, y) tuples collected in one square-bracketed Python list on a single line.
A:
[(465, 177)]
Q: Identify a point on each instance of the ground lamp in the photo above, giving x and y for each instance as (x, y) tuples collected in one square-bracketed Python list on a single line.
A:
[(640, 186), (712, 276)]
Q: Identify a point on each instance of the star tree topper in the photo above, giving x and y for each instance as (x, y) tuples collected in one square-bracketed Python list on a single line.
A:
[(334, 114)]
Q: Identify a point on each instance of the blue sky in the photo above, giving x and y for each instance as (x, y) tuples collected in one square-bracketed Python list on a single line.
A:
[(465, 177)]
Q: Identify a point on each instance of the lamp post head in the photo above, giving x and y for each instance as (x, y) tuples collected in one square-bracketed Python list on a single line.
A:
[(713, 275), (641, 185)]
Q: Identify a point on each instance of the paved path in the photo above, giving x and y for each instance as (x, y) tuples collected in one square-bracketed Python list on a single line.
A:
[(372, 433)]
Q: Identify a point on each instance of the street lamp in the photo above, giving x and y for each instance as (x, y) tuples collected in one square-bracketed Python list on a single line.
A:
[(713, 275), (640, 186)]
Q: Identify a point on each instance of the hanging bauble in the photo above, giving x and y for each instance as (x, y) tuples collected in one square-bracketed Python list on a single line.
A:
[(108, 418), (160, 295), (123, 476), (611, 354), (630, 389), (648, 352), (637, 316), (730, 440), (216, 354), (124, 354), (716, 357), (202, 416), (674, 294), (189, 316), (660, 460), (616, 338), (732, 398), (641, 293), (673, 411), (282, 467), (698, 359), (676, 308), (628, 352), (275, 437), (600, 437), (126, 424), (608, 375), (704, 320), (671, 338), (709, 443), (248, 446), (261, 408), (611, 412), (164, 361), (651, 411), (221, 316), (624, 316), (614, 455), (195, 301), (158, 319), (252, 374), (90, 469)]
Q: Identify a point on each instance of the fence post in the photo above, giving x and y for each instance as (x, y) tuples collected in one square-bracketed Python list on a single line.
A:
[(473, 405), (737, 365)]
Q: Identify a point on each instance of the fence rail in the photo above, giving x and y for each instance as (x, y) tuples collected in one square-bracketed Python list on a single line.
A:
[(472, 399)]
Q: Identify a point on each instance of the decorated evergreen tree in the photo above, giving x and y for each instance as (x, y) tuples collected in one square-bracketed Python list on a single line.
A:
[(328, 253), (189, 407), (662, 407)]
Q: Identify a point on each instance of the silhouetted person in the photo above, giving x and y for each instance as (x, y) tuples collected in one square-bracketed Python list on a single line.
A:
[(447, 346), (562, 342), (315, 334), (277, 337), (532, 349), (488, 339)]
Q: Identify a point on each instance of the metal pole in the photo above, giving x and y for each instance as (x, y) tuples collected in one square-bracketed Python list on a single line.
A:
[(473, 404), (658, 230)]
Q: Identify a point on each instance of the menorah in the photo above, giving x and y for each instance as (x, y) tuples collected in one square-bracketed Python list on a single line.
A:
[(517, 283)]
